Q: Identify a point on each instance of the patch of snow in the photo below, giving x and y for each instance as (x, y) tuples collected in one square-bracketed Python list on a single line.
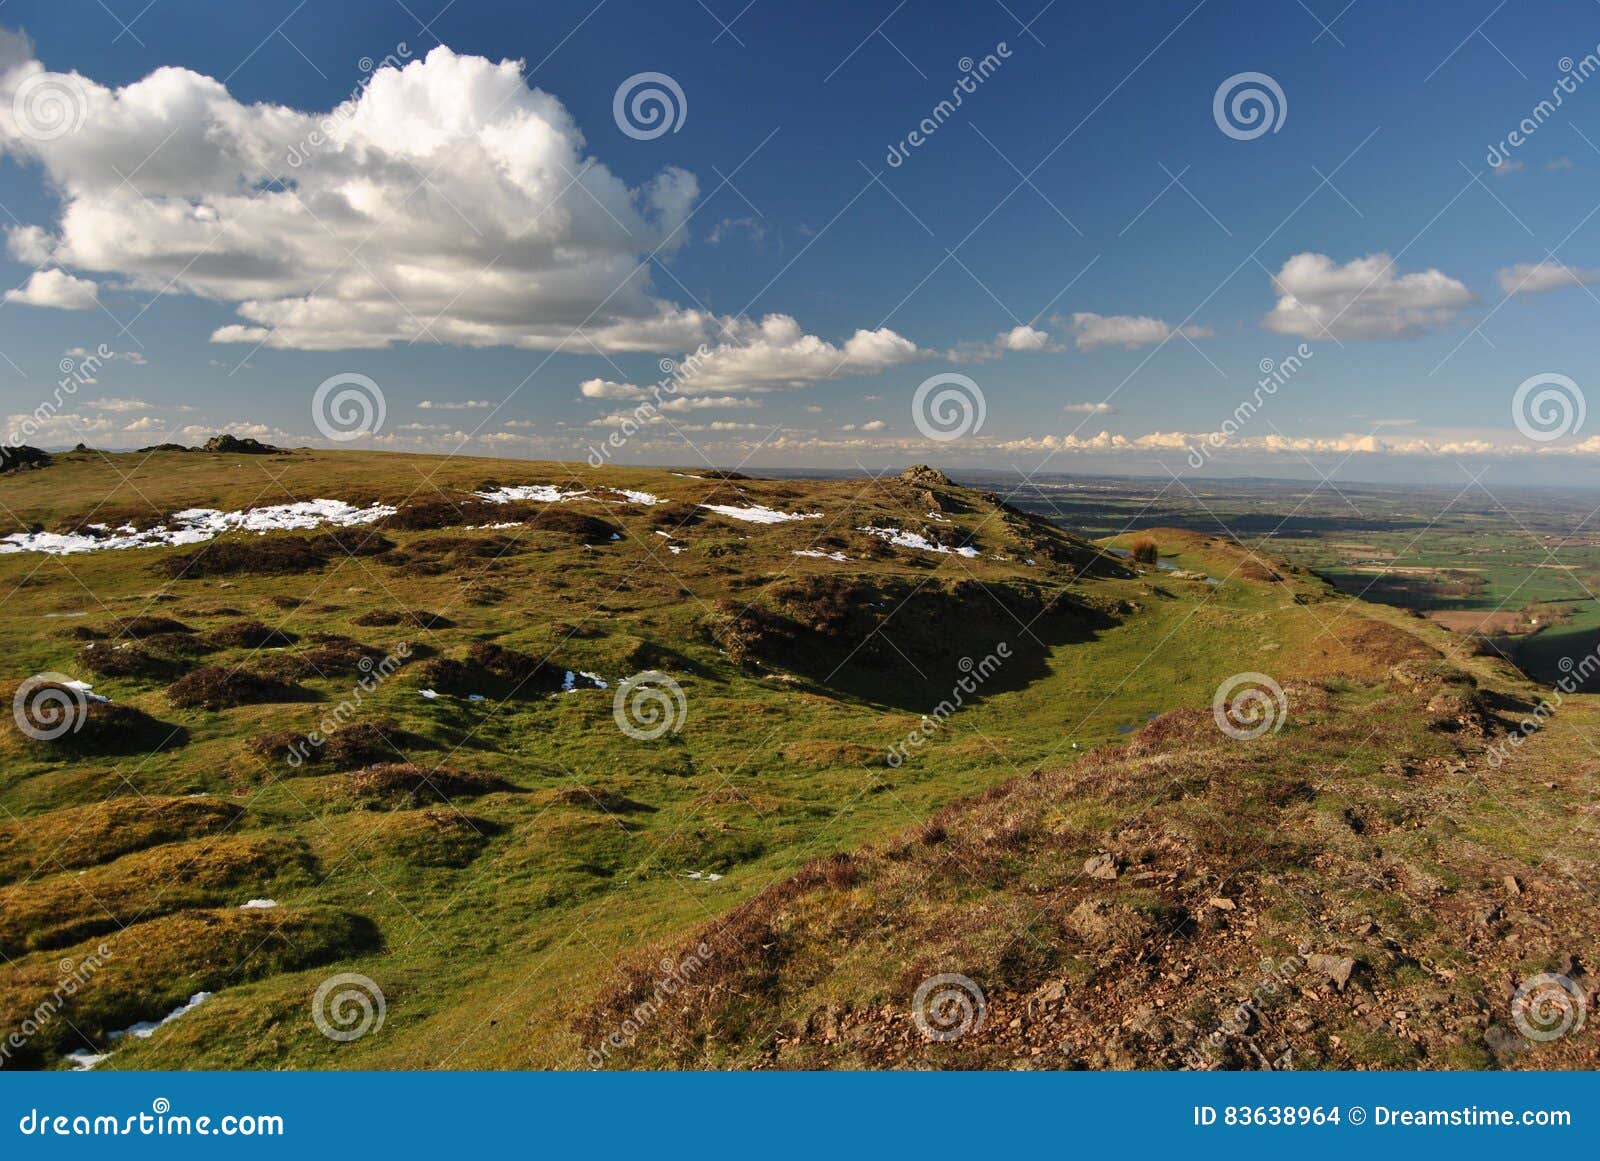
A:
[(690, 476), (476, 697), (903, 539), (570, 681), (757, 514), (147, 1028), (83, 1061), (79, 613), (258, 905), (543, 493), (196, 525), (430, 694), (819, 554), (644, 498)]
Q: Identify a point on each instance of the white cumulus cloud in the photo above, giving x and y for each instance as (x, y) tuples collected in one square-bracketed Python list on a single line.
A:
[(474, 213), (1538, 277), (1090, 330), (1364, 298), (56, 288)]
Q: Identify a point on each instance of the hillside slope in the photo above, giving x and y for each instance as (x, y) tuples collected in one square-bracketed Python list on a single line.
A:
[(486, 733), (1383, 883)]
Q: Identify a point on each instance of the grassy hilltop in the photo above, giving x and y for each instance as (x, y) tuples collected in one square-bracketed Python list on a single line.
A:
[(511, 866)]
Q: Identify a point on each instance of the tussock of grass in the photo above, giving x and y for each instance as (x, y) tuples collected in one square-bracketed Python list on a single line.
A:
[(258, 556), (217, 687), (359, 743), (98, 727), (250, 635), (82, 836), (147, 970), (69, 907), (131, 659), (401, 784), (433, 837)]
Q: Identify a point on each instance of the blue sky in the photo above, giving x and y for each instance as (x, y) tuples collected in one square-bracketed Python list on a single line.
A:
[(464, 241)]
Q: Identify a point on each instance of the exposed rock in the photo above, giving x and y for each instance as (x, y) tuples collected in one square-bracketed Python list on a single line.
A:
[(1101, 866), (246, 446), (1336, 968), (22, 457), (924, 475)]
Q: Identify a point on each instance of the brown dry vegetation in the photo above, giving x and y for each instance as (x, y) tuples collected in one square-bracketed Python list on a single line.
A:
[(1389, 864)]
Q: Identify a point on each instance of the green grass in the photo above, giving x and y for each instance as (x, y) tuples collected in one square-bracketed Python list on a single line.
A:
[(497, 921)]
